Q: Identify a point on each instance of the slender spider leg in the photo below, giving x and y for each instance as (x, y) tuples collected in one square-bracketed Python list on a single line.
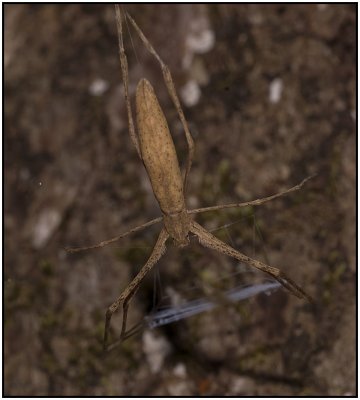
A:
[(106, 242), (212, 242), (134, 330), (174, 97), (130, 290), (256, 202), (133, 135), (125, 75)]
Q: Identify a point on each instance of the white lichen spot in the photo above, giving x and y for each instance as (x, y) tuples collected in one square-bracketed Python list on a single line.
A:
[(190, 93), (180, 370), (275, 90), (98, 87), (156, 348), (46, 224), (201, 41)]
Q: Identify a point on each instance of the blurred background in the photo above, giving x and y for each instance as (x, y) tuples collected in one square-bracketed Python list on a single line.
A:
[(269, 94)]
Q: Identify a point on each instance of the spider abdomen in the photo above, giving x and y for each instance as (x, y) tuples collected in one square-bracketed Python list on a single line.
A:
[(158, 150)]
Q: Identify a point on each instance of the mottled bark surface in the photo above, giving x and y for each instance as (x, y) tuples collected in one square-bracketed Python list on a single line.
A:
[(277, 104)]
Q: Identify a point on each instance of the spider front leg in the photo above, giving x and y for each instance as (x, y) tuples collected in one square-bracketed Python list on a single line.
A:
[(125, 75), (129, 292), (174, 97), (212, 242)]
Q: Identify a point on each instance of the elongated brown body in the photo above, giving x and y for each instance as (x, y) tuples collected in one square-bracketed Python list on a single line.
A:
[(161, 162), (158, 150)]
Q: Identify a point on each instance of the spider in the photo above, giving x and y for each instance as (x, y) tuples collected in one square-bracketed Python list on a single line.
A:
[(156, 149)]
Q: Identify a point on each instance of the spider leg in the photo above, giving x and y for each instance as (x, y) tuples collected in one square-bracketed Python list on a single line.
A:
[(106, 242), (125, 75), (128, 293), (134, 330), (256, 202), (174, 97), (212, 242)]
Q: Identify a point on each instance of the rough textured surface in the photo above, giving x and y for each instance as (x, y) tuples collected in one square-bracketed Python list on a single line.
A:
[(272, 95)]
